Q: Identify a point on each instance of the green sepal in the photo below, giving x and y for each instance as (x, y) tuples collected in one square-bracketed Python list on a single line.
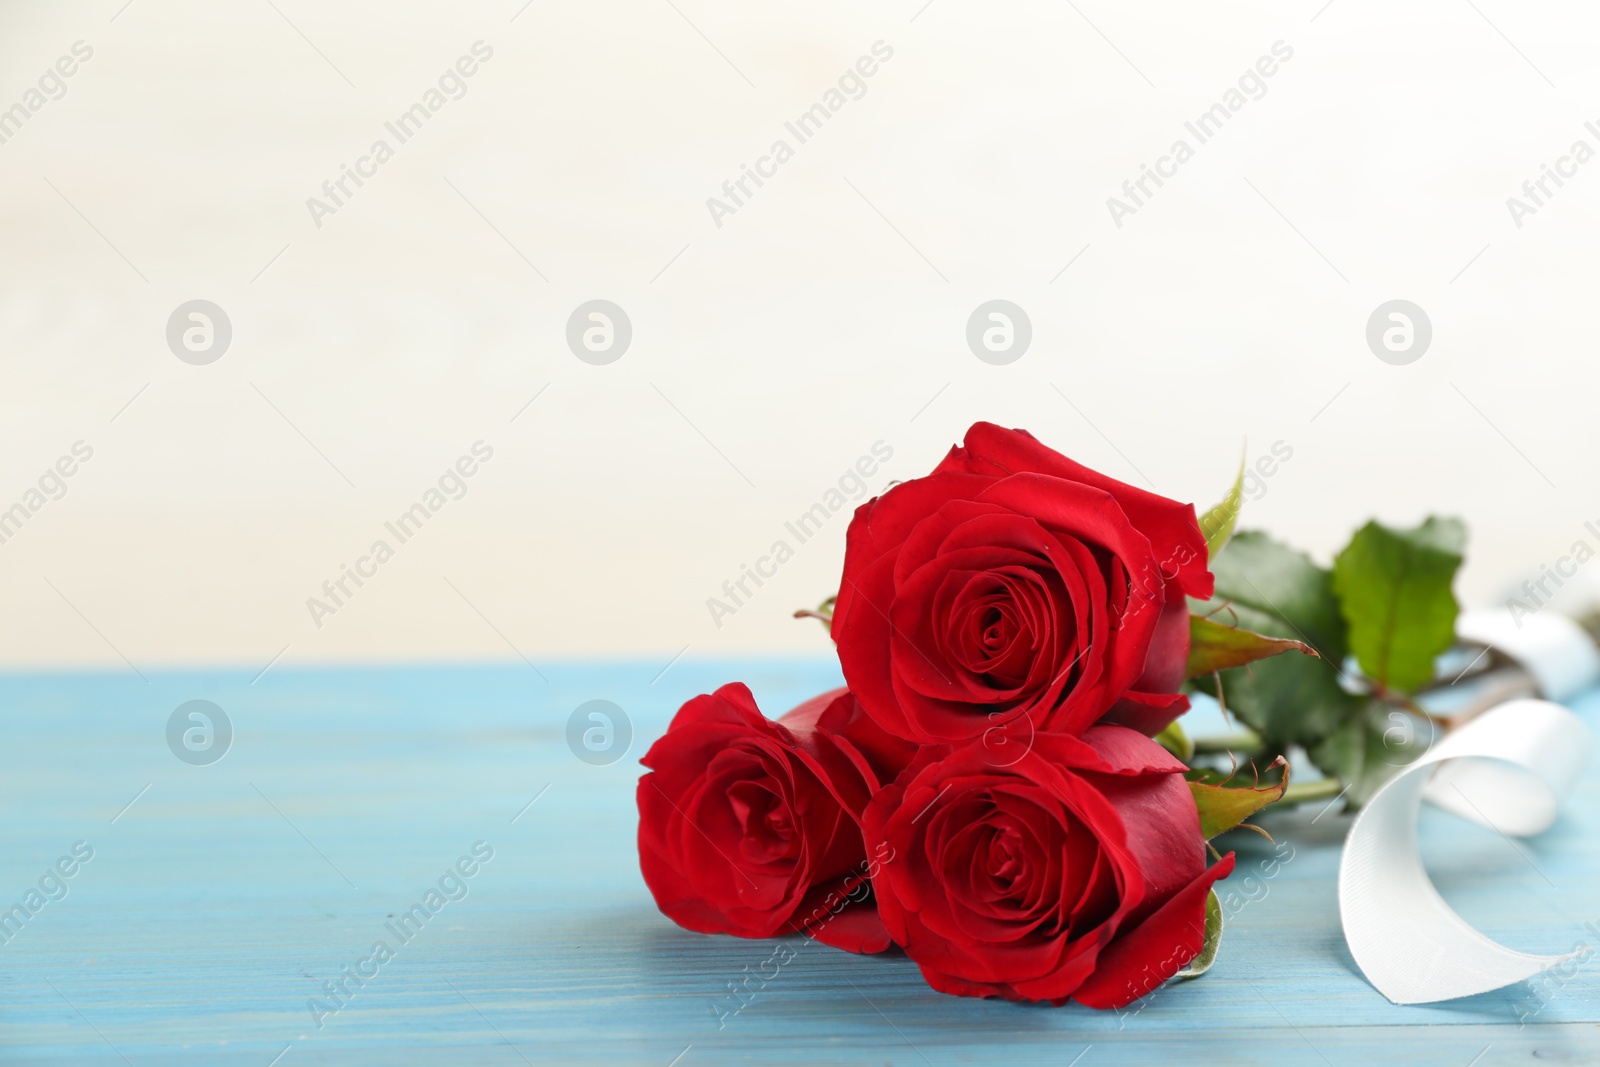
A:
[(1176, 741), (1213, 939), (1218, 521), (1214, 647), (1223, 806)]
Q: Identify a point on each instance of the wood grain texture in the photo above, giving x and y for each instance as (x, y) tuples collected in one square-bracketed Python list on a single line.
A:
[(220, 901)]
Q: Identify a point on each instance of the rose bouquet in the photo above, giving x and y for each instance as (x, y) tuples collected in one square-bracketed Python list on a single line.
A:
[(1003, 790)]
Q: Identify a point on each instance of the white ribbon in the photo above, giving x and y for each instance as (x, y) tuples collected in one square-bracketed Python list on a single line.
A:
[(1552, 648), (1509, 770)]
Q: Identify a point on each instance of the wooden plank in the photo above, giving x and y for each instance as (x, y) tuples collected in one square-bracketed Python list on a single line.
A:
[(218, 903)]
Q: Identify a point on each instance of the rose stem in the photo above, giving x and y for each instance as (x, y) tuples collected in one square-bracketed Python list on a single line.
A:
[(1321, 789), (1243, 741)]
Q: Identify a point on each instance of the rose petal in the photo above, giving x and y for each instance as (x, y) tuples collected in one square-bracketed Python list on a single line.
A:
[(1173, 528), (1142, 958)]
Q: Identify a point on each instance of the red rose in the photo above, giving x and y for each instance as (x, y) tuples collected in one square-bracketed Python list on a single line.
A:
[(876, 755), (1078, 872), (1013, 585), (748, 826)]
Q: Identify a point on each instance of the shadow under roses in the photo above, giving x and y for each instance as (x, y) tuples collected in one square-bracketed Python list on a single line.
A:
[(630, 955), (814, 917), (810, 984), (798, 983)]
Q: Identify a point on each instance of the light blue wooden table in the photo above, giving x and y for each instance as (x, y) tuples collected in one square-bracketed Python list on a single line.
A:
[(220, 899)]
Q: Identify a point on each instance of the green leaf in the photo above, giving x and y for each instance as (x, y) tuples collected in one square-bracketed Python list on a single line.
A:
[(1215, 647), (1272, 578), (1269, 588), (1374, 746), (1175, 741), (1213, 939), (1394, 590), (1217, 523), (1223, 806)]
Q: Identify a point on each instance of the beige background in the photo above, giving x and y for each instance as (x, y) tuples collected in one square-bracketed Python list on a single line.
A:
[(827, 314)]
